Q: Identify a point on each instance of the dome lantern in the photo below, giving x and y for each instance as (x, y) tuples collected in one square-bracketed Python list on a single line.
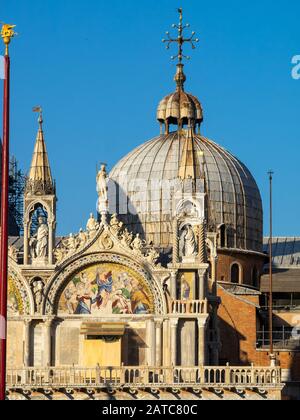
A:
[(180, 108)]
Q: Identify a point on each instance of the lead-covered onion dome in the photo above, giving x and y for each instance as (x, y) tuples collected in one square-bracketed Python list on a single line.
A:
[(180, 108)]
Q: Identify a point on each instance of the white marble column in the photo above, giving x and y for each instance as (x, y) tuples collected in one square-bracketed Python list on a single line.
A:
[(26, 239), (151, 340), (214, 273), (158, 333), (173, 285), (173, 327), (202, 284), (27, 331), (202, 341), (48, 342), (125, 347), (50, 244)]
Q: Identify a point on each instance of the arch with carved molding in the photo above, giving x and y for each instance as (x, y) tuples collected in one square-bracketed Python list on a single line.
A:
[(31, 208), (24, 291), (61, 279), (196, 204)]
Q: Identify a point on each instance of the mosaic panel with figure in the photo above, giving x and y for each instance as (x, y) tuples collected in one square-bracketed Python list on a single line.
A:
[(14, 299), (106, 289)]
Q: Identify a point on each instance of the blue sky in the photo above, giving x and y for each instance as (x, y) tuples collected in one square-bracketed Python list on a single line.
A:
[(99, 69)]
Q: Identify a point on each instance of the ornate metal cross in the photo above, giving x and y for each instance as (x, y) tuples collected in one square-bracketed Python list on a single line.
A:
[(181, 40)]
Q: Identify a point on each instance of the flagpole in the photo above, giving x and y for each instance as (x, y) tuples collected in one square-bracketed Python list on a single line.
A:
[(6, 33), (272, 355)]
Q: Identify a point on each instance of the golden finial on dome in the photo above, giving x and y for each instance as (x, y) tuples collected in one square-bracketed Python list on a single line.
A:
[(7, 33)]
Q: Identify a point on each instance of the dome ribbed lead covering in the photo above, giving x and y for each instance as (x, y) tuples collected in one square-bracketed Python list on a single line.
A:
[(234, 198)]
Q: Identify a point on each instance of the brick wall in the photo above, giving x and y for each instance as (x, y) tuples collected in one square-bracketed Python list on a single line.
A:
[(238, 325), (246, 261)]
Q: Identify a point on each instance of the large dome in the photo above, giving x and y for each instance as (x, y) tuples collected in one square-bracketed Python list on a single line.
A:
[(234, 200)]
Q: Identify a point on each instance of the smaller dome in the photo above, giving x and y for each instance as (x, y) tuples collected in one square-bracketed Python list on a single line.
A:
[(180, 108)]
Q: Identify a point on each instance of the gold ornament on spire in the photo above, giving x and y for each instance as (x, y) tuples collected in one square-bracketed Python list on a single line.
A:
[(181, 40), (39, 110), (7, 33)]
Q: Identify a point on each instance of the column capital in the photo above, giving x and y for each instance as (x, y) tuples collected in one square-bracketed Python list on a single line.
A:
[(158, 322), (27, 322), (48, 321), (202, 322), (174, 322), (203, 270)]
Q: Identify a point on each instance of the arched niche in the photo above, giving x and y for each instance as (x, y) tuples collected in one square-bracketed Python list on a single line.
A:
[(104, 284), (236, 273), (39, 217), (255, 277), (222, 236)]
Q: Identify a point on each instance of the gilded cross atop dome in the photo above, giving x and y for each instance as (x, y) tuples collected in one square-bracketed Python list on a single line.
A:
[(180, 40), (180, 108)]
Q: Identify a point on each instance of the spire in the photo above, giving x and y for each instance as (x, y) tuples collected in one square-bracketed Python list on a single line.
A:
[(39, 181), (180, 40)]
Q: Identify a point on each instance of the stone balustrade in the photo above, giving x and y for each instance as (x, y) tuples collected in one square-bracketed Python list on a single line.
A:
[(189, 307), (143, 377)]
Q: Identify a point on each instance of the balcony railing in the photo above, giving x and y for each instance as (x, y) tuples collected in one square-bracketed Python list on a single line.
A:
[(192, 307), (143, 377)]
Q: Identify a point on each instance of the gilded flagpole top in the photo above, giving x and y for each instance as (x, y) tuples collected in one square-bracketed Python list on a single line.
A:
[(39, 110), (7, 33)]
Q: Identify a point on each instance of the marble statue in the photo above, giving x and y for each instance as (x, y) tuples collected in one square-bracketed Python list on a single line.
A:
[(126, 238), (13, 253), (82, 238), (115, 224), (188, 242), (101, 181), (92, 224), (137, 243), (71, 243), (152, 256), (39, 242), (60, 253), (38, 291)]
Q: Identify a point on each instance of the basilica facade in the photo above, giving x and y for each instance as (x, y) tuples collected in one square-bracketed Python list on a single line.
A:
[(143, 302)]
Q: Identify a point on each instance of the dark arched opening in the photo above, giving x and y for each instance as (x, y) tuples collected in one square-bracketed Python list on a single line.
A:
[(235, 274)]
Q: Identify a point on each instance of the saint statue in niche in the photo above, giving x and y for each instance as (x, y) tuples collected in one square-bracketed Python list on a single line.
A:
[(188, 242), (39, 241)]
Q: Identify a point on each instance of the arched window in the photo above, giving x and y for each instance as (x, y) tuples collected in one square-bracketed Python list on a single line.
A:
[(235, 273), (255, 278), (222, 236)]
